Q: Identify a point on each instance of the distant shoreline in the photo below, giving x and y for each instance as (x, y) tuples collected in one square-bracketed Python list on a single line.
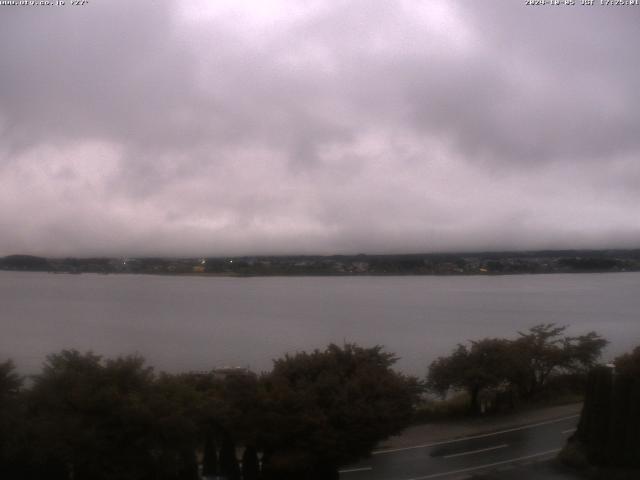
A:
[(463, 264), (327, 275)]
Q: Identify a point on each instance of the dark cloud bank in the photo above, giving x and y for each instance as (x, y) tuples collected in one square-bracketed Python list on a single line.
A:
[(207, 128)]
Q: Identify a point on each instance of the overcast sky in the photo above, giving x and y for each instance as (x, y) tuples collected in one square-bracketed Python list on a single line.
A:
[(213, 127)]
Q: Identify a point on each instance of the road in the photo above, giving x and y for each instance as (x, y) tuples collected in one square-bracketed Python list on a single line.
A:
[(464, 457)]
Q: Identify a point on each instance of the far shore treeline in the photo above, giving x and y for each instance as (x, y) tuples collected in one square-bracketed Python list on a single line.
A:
[(88, 417), (478, 263)]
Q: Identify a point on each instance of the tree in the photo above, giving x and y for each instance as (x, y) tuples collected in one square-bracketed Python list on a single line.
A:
[(524, 364), (543, 351), (329, 407), (173, 435), (628, 364), (484, 365), (609, 428), (12, 422), (229, 467), (111, 419), (210, 457), (10, 381), (250, 464)]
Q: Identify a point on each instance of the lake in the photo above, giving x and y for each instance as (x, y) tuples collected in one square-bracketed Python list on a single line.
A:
[(184, 323)]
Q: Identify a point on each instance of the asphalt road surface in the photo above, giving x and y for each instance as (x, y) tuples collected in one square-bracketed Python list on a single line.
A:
[(468, 456)]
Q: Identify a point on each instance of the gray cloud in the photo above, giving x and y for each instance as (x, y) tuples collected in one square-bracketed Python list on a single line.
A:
[(230, 127)]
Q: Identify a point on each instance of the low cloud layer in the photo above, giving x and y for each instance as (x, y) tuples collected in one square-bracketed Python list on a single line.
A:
[(230, 127)]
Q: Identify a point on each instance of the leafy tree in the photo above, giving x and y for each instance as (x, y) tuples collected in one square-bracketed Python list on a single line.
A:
[(543, 351), (85, 417), (326, 408), (12, 439), (10, 381), (628, 364), (95, 419), (524, 364), (236, 407), (173, 434), (483, 365)]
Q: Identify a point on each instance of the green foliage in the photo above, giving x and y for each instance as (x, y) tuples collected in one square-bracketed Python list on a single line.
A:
[(10, 381), (543, 351), (12, 438), (484, 365), (628, 365), (329, 407), (523, 365), (110, 419), (89, 418), (432, 410)]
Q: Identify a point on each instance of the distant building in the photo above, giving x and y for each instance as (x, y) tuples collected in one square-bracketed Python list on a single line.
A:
[(228, 372)]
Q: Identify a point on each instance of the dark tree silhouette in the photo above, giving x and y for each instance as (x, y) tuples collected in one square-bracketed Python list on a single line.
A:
[(524, 365), (250, 464), (229, 467), (330, 407), (483, 365), (609, 428), (210, 457)]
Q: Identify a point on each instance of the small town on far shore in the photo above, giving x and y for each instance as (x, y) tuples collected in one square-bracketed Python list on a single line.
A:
[(478, 263)]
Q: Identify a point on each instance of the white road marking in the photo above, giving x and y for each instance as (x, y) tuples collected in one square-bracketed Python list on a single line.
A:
[(570, 430), (471, 452), (473, 437), (486, 465), (352, 470)]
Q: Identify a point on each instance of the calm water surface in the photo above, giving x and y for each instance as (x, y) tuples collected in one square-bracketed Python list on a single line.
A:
[(181, 323)]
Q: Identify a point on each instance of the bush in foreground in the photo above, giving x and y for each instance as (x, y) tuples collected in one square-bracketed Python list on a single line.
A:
[(89, 418)]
